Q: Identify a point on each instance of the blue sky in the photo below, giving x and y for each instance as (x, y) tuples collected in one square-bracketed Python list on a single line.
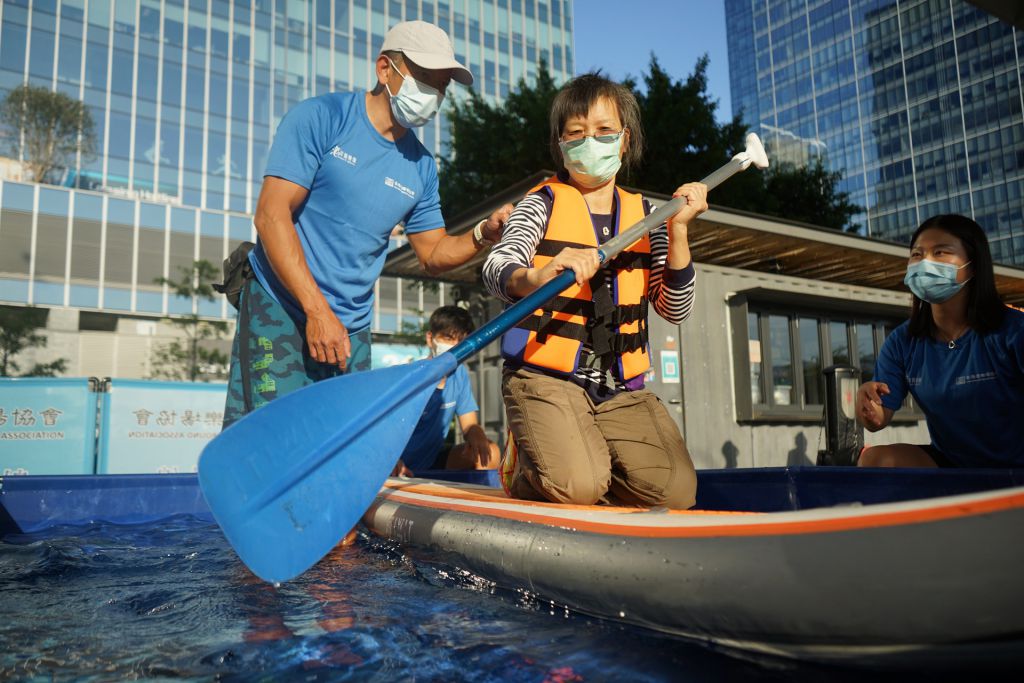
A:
[(619, 37)]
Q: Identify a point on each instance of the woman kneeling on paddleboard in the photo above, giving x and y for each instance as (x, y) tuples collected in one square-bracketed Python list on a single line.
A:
[(584, 430), (961, 356)]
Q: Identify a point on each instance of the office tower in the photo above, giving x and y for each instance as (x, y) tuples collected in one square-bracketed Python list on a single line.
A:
[(185, 96), (917, 102)]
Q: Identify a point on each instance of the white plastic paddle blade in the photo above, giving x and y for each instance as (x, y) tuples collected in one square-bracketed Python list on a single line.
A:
[(755, 151)]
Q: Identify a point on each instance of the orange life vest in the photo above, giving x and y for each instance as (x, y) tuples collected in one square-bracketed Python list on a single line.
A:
[(610, 319)]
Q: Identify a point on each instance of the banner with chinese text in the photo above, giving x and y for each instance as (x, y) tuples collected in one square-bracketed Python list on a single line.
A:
[(47, 426), (157, 427)]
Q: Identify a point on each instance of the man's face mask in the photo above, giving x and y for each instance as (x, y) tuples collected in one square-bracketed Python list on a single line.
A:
[(933, 281), (592, 160), (415, 103)]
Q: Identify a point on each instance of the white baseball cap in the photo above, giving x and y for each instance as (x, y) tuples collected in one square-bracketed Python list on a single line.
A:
[(427, 46)]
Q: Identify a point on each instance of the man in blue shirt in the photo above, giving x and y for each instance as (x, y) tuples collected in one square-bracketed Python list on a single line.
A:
[(449, 325), (343, 171)]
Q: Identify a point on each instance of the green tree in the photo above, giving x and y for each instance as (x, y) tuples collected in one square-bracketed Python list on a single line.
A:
[(411, 333), (18, 332), (494, 146), (46, 129), (684, 140), (809, 194), (193, 358)]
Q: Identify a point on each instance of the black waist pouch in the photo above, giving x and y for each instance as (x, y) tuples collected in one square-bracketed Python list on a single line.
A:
[(237, 270)]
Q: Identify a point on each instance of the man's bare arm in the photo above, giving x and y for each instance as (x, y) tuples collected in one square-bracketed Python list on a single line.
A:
[(278, 203)]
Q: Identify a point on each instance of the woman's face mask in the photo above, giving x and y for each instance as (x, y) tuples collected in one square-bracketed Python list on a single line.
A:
[(592, 160), (415, 103), (934, 281)]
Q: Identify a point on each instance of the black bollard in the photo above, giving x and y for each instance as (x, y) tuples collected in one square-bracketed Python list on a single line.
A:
[(844, 437)]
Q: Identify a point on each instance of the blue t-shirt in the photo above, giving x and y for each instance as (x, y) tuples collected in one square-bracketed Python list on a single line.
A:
[(455, 398), (361, 185), (972, 395)]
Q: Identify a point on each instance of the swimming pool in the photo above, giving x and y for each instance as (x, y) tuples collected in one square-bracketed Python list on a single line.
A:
[(169, 600), (154, 592)]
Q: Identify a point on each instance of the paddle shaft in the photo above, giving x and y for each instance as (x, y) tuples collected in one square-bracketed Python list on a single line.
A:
[(609, 250)]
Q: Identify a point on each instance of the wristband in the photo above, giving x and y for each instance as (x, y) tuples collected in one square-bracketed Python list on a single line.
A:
[(478, 235)]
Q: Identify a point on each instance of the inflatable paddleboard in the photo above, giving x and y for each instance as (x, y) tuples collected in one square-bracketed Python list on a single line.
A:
[(847, 582)]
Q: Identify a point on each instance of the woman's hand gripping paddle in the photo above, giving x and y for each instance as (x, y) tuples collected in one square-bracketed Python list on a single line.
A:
[(289, 480)]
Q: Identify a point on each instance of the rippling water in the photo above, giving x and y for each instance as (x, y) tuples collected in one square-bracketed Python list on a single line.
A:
[(171, 601)]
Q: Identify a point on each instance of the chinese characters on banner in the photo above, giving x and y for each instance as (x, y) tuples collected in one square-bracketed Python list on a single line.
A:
[(26, 417), (47, 426), (158, 427), (170, 418)]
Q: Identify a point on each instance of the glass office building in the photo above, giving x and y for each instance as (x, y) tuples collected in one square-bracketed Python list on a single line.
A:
[(918, 102), (185, 96)]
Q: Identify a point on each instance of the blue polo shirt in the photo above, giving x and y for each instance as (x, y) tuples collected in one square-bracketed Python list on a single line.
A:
[(972, 395), (361, 185), (427, 441)]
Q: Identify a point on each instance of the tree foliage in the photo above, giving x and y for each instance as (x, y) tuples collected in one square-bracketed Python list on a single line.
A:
[(46, 130), (495, 146), (809, 194), (19, 332), (193, 358), (684, 139)]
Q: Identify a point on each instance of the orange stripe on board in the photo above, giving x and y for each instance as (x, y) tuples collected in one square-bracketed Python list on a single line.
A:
[(499, 496), (767, 528)]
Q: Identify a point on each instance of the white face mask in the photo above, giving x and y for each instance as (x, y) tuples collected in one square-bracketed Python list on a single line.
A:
[(415, 103), (440, 347)]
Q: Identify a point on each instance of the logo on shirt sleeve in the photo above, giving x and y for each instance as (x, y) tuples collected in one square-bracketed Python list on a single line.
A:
[(339, 153), (408, 192)]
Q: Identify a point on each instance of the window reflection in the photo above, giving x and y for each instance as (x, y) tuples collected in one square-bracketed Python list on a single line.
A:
[(754, 349), (866, 351), (803, 343), (839, 342), (810, 360), (782, 360)]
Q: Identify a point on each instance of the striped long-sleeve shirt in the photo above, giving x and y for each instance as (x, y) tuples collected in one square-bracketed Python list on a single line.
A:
[(670, 291)]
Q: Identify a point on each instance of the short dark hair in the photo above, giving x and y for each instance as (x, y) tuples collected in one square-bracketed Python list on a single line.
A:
[(985, 309), (451, 321), (577, 97)]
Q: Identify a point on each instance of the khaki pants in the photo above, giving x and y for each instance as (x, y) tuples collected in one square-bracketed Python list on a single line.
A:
[(624, 451)]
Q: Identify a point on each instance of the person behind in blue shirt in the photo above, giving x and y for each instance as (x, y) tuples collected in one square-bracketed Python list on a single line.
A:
[(449, 325), (961, 356), (343, 171)]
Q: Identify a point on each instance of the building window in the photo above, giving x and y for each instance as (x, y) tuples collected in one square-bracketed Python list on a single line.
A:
[(783, 342)]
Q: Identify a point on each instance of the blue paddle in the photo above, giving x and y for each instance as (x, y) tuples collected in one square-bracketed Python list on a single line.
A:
[(287, 481)]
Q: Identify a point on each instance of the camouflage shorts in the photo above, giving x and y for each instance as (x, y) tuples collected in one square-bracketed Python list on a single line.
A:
[(269, 356)]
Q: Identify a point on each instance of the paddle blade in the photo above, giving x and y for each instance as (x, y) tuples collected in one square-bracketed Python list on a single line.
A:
[(289, 480)]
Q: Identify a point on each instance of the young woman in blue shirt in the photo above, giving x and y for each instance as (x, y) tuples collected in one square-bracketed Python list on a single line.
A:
[(961, 356)]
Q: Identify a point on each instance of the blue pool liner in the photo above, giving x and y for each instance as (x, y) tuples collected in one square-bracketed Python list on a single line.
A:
[(29, 504), (33, 503)]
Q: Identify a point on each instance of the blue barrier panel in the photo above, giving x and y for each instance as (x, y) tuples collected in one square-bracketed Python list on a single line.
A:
[(32, 504), (157, 427), (481, 477), (47, 426), (384, 355)]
